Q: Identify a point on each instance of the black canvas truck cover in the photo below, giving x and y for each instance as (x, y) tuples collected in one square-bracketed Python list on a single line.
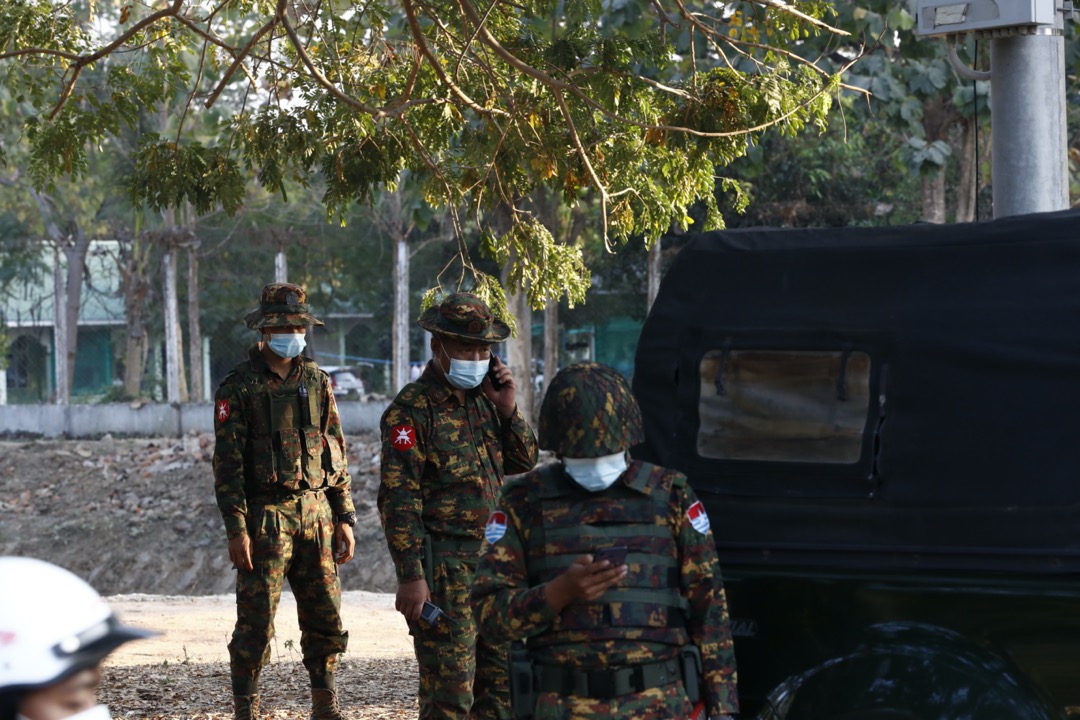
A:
[(875, 397)]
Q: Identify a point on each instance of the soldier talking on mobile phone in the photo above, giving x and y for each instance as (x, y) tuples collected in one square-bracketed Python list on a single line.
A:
[(448, 439)]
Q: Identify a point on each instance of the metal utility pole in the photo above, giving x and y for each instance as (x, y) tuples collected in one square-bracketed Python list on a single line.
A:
[(1027, 96)]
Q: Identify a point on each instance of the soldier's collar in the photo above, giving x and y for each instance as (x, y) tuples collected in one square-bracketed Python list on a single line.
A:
[(259, 364), (438, 389)]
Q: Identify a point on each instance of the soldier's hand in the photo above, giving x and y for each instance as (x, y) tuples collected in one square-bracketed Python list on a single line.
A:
[(410, 598), (583, 580), (240, 552), (503, 397), (344, 543)]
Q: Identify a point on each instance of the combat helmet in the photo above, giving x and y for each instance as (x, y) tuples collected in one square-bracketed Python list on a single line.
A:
[(52, 625), (588, 412), (281, 305)]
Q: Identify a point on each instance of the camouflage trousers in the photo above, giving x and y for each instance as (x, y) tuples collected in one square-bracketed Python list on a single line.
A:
[(290, 538), (661, 703), (461, 674)]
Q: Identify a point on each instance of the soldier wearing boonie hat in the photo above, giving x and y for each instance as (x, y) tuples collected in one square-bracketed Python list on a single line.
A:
[(280, 462), (448, 440)]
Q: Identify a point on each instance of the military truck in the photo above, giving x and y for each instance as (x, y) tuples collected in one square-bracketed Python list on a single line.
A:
[(884, 426)]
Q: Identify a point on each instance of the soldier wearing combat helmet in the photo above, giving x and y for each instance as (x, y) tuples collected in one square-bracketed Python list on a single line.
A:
[(448, 440), (283, 489), (644, 635)]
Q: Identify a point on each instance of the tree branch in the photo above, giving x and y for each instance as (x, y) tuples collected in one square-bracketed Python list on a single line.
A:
[(418, 36), (238, 61), (84, 60)]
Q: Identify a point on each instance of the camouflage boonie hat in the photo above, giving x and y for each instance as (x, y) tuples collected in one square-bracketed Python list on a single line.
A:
[(281, 305), (464, 316), (589, 412)]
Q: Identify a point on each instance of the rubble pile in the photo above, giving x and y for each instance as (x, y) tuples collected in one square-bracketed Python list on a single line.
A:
[(137, 515)]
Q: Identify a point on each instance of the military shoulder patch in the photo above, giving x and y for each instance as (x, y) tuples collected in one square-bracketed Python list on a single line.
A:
[(697, 517), (496, 527), (403, 437), (222, 411)]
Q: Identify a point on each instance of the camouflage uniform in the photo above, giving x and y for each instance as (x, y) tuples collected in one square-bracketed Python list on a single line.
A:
[(672, 595), (280, 476), (443, 463)]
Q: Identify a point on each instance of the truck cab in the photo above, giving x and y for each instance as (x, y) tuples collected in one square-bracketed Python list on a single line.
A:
[(883, 426)]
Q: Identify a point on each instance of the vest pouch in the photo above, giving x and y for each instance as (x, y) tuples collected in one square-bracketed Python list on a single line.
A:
[(313, 459), (690, 663), (290, 452)]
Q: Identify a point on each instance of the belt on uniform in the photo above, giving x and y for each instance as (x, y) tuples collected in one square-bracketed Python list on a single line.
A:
[(285, 496), (456, 546), (608, 683)]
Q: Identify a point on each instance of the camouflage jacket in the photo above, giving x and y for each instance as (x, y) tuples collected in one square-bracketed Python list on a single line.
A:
[(540, 527), (443, 464), (276, 437)]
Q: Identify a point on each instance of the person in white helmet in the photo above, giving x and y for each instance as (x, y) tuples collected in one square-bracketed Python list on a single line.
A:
[(55, 631)]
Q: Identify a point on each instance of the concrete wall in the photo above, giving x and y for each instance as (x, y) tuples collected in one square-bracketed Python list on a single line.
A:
[(151, 420)]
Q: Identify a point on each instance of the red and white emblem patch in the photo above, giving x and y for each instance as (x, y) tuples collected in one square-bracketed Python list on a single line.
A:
[(697, 517), (403, 437), (496, 527), (222, 413)]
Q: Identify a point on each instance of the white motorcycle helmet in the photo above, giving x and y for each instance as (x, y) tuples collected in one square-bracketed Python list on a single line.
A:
[(52, 625)]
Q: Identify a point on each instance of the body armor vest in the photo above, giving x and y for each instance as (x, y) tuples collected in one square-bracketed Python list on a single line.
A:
[(647, 604), (285, 438)]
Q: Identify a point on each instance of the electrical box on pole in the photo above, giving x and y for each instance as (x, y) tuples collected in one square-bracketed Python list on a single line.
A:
[(949, 17)]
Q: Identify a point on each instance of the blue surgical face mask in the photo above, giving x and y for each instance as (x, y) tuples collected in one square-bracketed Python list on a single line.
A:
[(287, 345), (596, 474), (466, 374)]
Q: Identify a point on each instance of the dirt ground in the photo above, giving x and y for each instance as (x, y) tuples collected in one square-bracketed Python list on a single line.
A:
[(137, 519)]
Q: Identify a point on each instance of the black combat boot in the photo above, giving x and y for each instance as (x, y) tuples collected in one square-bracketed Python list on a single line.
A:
[(245, 687), (324, 704), (245, 707), (324, 699)]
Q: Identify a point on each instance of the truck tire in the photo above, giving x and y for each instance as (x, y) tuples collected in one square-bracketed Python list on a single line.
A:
[(904, 671)]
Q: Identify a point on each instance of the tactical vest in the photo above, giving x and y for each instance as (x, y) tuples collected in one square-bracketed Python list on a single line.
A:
[(573, 521), (285, 438)]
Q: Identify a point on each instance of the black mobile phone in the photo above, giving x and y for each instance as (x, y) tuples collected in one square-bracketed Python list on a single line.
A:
[(492, 364), (431, 613), (615, 555)]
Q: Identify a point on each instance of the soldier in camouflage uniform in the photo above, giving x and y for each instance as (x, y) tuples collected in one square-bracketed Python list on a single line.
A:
[(283, 488), (448, 439), (606, 641)]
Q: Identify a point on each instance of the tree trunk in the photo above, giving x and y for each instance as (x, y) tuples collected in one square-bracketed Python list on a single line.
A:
[(194, 326), (968, 181), (172, 326), (67, 293), (519, 352), (281, 267), (60, 333), (655, 265), (134, 273), (399, 330), (551, 343), (938, 116), (933, 197)]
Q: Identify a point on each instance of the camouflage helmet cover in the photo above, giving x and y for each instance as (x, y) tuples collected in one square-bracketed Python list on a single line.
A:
[(464, 316), (589, 411), (281, 305)]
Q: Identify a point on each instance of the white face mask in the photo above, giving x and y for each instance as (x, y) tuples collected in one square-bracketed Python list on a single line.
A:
[(287, 345), (98, 712), (466, 374), (596, 474)]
